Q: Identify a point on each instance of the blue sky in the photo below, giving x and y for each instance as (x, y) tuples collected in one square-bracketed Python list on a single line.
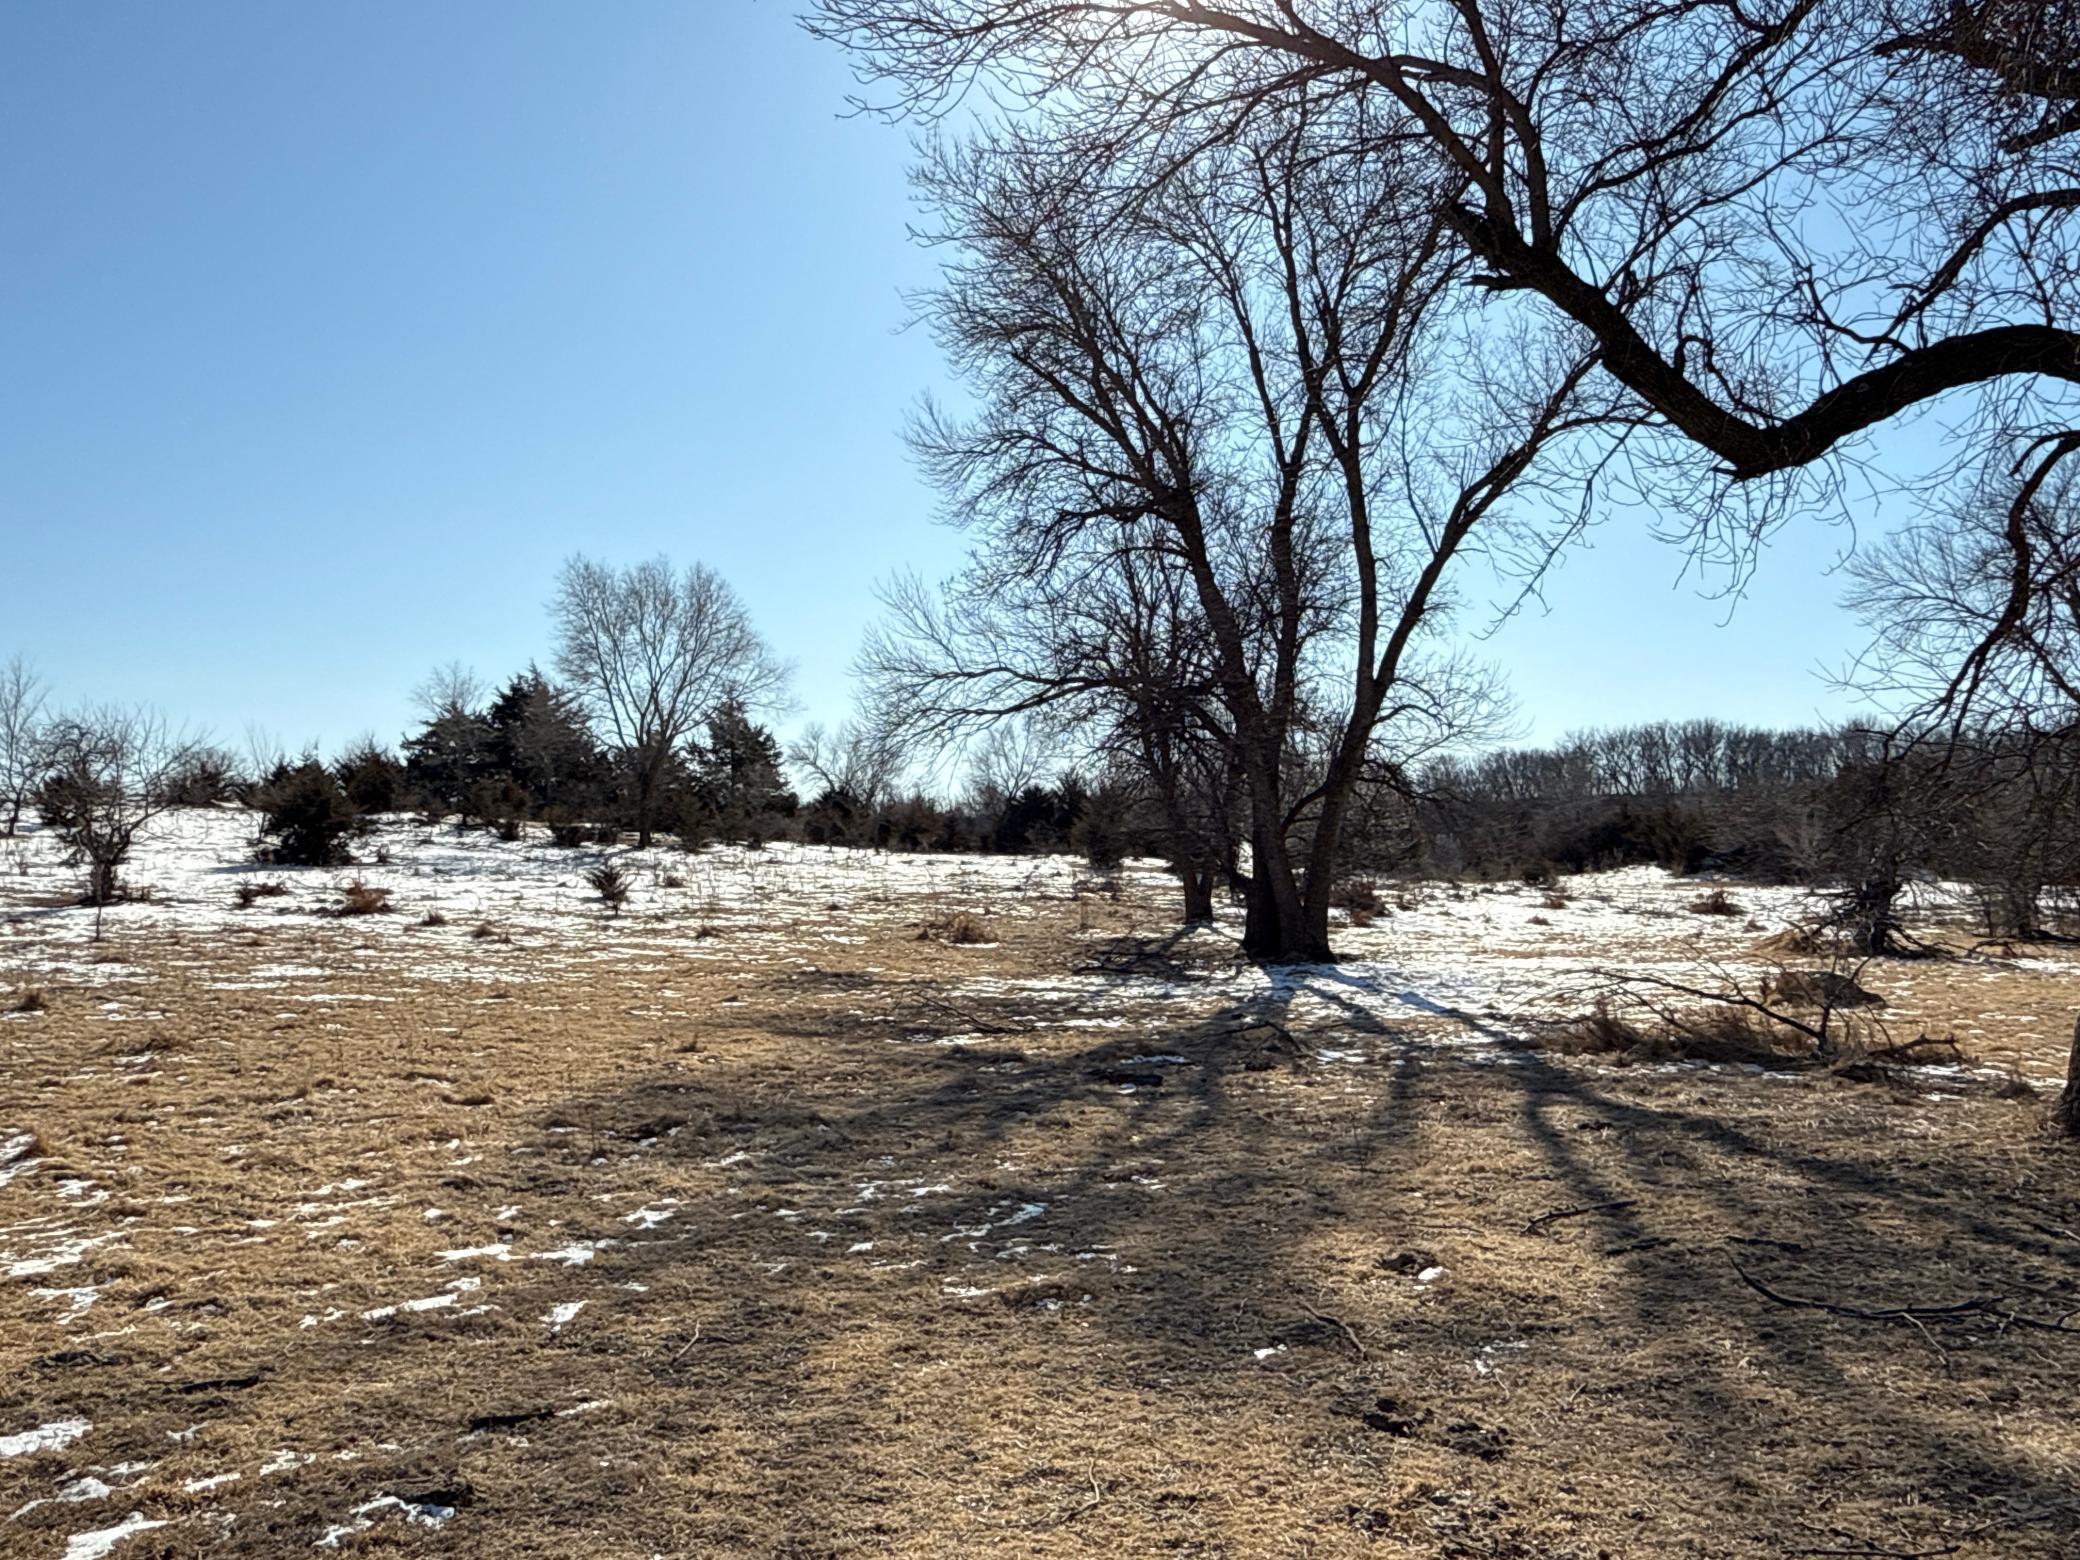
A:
[(328, 331)]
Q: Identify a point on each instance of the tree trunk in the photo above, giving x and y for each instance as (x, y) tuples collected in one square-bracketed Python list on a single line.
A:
[(646, 806), (1871, 919), (1278, 927), (1198, 893), (2067, 1111)]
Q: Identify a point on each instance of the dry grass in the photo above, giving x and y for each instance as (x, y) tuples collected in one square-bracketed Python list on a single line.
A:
[(852, 1291), (359, 898), (1717, 1033), (1819, 989), (1795, 942), (960, 928)]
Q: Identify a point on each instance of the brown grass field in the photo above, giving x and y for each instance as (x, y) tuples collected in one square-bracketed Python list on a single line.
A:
[(717, 1246)]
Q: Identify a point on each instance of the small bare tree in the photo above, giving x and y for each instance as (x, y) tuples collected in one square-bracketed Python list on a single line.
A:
[(21, 737), (652, 651), (858, 762), (109, 772)]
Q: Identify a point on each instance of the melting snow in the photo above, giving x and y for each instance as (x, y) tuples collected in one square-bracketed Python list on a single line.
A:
[(52, 1437), (92, 1546)]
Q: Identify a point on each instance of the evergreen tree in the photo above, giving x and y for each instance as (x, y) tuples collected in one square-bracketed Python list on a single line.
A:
[(540, 742), (446, 758), (309, 816), (737, 776)]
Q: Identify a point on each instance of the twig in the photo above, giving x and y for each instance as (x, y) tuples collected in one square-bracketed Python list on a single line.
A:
[(1988, 1306), (1350, 1332), (1558, 1214)]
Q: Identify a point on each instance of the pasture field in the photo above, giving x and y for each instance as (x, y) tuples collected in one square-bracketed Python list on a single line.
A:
[(843, 1203)]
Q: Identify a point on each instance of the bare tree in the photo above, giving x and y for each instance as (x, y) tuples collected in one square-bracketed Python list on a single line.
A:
[(652, 651), (1644, 170), (1975, 610), (450, 691), (110, 771), (21, 737), (855, 764), (1223, 373)]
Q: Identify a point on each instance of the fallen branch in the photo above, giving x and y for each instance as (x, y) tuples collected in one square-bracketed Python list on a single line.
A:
[(1987, 1306), (1558, 1214), (1350, 1332)]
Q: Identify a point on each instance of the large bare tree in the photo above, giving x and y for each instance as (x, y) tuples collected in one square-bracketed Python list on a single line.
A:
[(652, 651), (1228, 371), (1783, 223)]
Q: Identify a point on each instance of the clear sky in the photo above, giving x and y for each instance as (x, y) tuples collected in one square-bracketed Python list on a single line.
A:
[(326, 332)]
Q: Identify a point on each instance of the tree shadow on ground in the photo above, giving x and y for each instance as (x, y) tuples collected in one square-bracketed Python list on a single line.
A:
[(1092, 1270)]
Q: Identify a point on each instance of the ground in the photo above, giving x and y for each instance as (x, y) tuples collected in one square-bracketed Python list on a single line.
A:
[(751, 1221)]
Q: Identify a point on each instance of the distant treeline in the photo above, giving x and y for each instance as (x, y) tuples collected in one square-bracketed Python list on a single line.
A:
[(1866, 810)]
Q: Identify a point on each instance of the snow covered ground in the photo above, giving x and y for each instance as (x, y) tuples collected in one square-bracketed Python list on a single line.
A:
[(464, 906), (477, 891)]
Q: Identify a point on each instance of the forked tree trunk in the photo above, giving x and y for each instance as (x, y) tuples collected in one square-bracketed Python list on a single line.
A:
[(2067, 1111), (1278, 926)]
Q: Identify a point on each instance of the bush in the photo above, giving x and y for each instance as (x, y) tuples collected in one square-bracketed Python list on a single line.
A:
[(959, 928), (372, 779), (610, 883), (1359, 899), (208, 776), (309, 816)]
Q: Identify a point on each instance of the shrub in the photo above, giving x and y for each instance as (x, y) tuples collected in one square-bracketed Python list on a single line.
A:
[(247, 893), (1820, 989), (959, 928), (1359, 899), (364, 899), (372, 779), (610, 883), (208, 776), (308, 815)]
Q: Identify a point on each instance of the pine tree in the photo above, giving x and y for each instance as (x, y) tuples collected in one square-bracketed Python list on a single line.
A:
[(540, 742), (737, 776)]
